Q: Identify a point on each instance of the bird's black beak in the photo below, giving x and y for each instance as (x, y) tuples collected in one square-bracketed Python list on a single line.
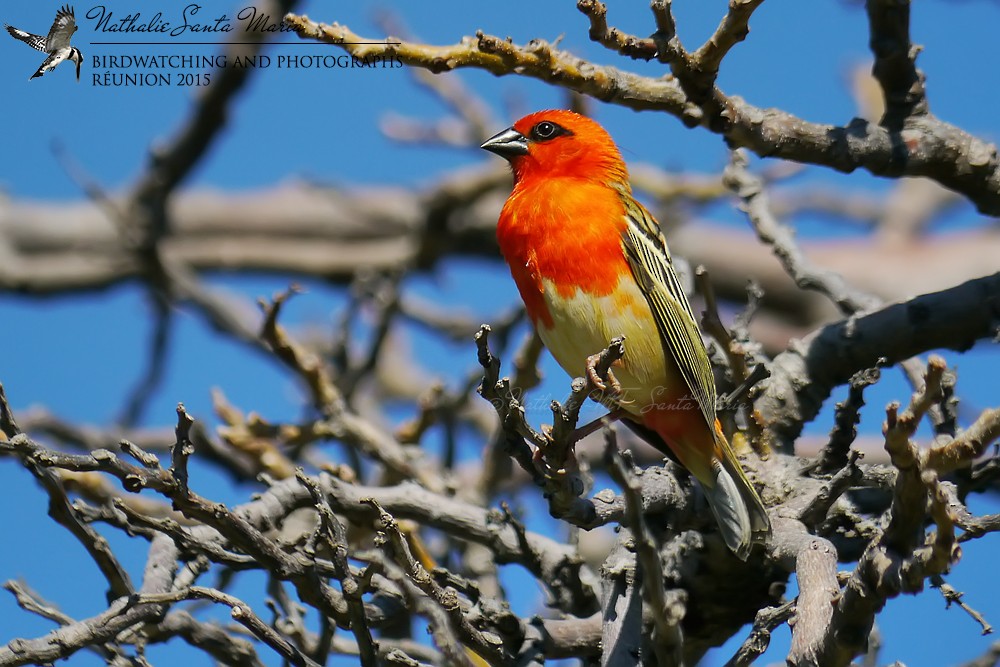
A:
[(507, 144), (78, 63)]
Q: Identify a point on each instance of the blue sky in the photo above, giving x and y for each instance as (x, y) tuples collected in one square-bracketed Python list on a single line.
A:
[(80, 355)]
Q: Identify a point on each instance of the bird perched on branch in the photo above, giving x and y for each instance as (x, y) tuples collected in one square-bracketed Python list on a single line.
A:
[(56, 44), (591, 264)]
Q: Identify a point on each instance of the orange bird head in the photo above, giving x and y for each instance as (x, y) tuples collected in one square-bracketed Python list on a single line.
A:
[(558, 143)]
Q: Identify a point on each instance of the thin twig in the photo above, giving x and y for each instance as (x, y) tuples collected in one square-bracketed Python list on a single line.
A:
[(951, 596), (754, 200), (332, 531), (756, 643), (242, 614), (447, 598), (846, 416)]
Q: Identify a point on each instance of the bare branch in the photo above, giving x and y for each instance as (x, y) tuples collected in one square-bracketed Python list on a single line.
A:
[(836, 454), (207, 636), (612, 38), (951, 319), (8, 424), (731, 31), (621, 610), (484, 645), (750, 190), (968, 445), (900, 559), (667, 640), (30, 600), (63, 512), (951, 596), (895, 63), (816, 568), (340, 421), (103, 627), (988, 659), (766, 621), (845, 478), (335, 536), (242, 614)]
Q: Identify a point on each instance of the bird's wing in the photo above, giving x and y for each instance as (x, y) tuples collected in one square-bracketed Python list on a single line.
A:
[(62, 29), (34, 41), (650, 261)]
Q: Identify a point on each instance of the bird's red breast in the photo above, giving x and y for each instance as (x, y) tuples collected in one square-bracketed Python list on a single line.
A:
[(566, 231)]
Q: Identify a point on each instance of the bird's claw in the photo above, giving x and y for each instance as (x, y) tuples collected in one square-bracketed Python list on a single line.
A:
[(612, 386)]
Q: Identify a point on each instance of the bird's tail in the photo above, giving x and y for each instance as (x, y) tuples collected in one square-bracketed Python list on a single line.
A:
[(707, 455), (730, 510), (737, 507)]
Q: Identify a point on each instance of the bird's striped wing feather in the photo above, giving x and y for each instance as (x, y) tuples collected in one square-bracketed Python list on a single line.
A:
[(62, 29), (650, 261), (34, 41)]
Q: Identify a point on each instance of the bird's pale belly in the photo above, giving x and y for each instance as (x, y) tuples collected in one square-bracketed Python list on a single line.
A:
[(583, 325)]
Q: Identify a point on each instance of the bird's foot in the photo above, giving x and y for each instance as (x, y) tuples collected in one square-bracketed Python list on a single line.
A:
[(612, 387)]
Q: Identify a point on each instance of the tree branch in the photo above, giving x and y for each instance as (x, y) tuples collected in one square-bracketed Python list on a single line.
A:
[(803, 376)]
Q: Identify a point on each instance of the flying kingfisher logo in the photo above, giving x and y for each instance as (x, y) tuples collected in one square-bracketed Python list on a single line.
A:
[(56, 44)]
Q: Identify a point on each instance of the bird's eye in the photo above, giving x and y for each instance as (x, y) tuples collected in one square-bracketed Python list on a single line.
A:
[(546, 130)]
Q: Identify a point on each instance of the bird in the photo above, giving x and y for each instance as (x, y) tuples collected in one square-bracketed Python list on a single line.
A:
[(55, 44), (591, 264)]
